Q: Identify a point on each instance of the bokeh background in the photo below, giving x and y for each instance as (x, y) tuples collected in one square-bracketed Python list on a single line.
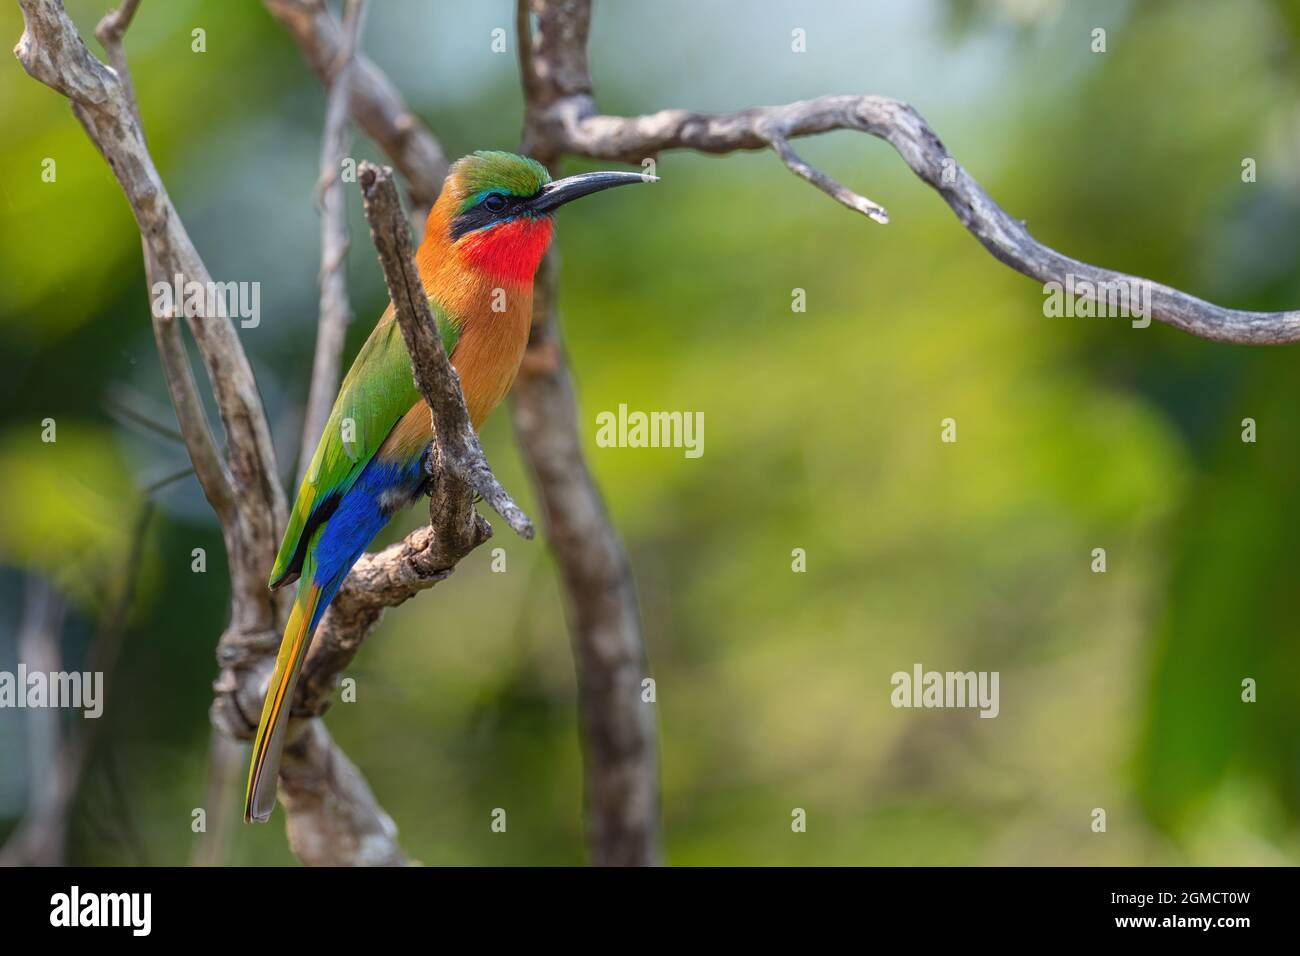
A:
[(1118, 690)]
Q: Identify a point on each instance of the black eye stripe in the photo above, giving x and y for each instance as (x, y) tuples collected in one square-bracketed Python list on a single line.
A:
[(491, 209)]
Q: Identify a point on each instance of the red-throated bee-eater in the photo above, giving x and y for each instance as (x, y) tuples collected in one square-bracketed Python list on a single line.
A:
[(488, 231)]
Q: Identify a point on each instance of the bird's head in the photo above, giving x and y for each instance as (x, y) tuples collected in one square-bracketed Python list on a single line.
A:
[(496, 211)]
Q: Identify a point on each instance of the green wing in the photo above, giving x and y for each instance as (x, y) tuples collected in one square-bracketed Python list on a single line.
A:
[(378, 390)]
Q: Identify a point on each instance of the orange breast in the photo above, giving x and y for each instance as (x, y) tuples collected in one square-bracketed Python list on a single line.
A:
[(486, 358), (489, 351), (494, 309)]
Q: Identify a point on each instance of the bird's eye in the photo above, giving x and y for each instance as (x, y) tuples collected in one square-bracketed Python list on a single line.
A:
[(494, 202)]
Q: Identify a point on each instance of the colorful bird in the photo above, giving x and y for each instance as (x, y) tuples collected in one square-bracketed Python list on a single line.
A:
[(483, 241)]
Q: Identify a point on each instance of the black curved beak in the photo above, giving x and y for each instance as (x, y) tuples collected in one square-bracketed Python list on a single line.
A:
[(556, 194)]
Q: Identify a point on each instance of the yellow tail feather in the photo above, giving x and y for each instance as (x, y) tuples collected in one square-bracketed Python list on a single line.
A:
[(259, 800)]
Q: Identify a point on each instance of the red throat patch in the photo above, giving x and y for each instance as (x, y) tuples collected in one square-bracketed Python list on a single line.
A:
[(510, 251)]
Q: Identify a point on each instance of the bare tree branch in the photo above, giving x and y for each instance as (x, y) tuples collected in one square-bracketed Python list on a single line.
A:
[(332, 817), (122, 410), (775, 137), (380, 581), (110, 32), (620, 755), (335, 312), (572, 125), (51, 51), (226, 764), (376, 105), (245, 491), (53, 762), (211, 471), (196, 433)]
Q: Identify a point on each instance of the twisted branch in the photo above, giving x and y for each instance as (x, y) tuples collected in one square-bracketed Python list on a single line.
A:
[(375, 103), (565, 120), (243, 490), (335, 311)]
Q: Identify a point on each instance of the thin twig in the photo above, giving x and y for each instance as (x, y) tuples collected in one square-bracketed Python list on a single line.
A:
[(376, 104), (195, 430), (335, 310), (51, 51), (776, 138), (213, 477), (226, 762), (157, 485), (110, 32), (123, 412)]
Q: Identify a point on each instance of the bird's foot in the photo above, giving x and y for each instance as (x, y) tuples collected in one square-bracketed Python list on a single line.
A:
[(430, 479)]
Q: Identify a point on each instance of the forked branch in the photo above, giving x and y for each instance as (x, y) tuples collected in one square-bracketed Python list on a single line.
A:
[(566, 120), (332, 816)]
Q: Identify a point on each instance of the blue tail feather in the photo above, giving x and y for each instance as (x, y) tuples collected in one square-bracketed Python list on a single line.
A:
[(383, 488)]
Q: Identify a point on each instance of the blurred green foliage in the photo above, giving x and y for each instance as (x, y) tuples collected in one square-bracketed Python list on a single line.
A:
[(1119, 690)]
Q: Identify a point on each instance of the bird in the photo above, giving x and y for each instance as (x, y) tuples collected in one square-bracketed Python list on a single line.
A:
[(483, 241)]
